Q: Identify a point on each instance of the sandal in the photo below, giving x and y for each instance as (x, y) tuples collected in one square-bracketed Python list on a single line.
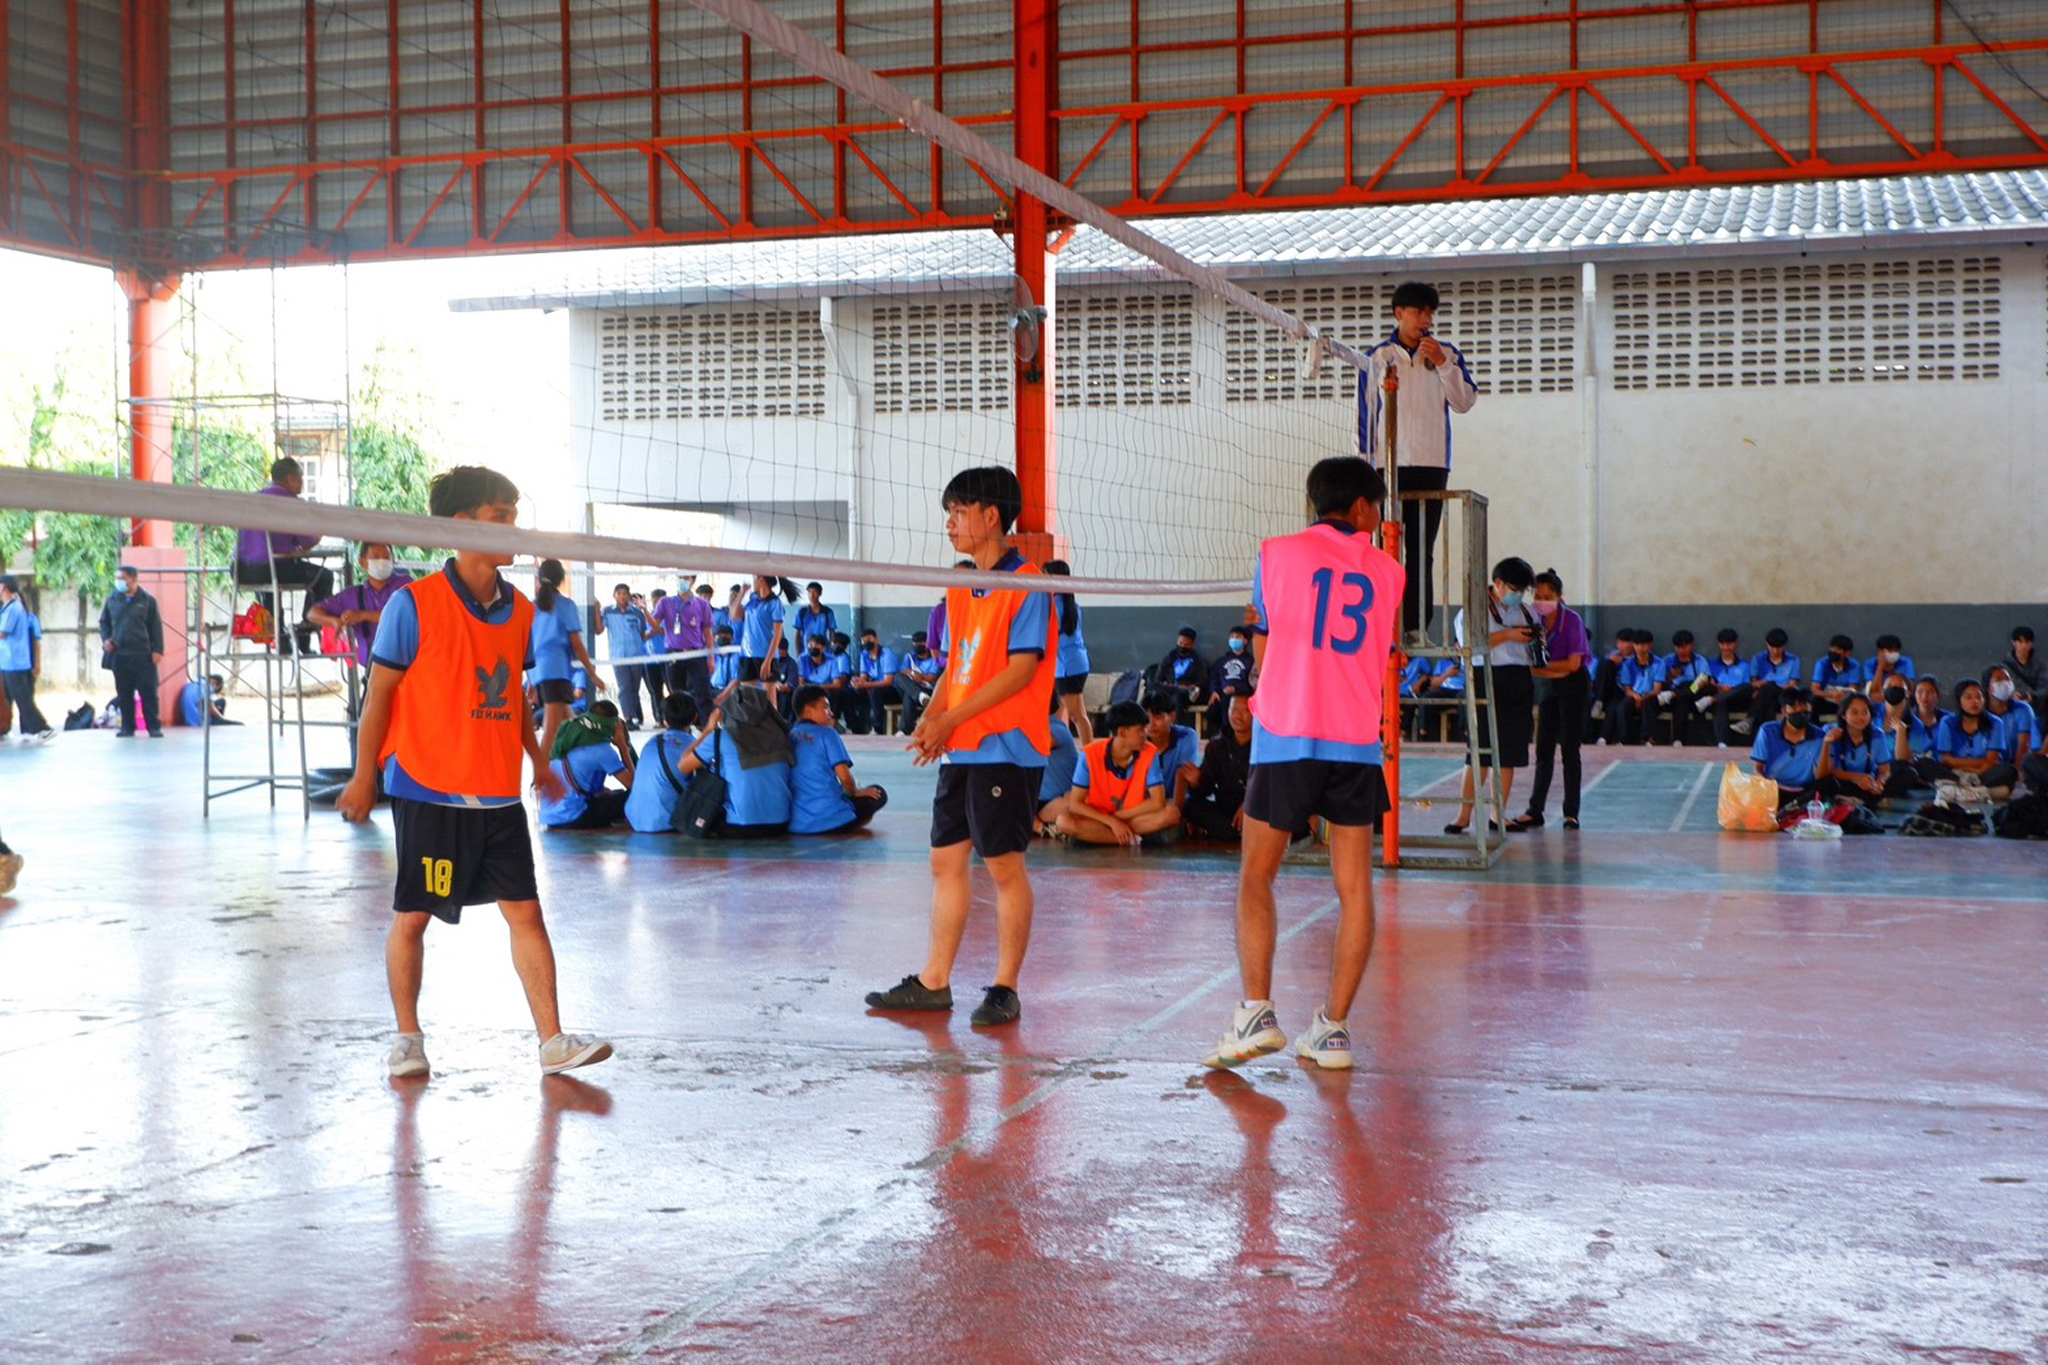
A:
[(1522, 823), (1571, 822), (1458, 829)]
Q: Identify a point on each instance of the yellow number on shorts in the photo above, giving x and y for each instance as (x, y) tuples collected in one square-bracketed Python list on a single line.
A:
[(440, 875)]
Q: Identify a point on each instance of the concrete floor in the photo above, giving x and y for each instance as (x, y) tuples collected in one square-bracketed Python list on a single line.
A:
[(1643, 1093)]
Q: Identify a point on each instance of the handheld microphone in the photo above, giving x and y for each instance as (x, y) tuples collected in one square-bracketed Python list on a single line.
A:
[(1428, 364)]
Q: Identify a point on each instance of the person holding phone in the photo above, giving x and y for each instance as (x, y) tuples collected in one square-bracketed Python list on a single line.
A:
[(1512, 645)]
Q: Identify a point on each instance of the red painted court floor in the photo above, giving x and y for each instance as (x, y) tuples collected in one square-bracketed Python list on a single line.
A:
[(1634, 1095)]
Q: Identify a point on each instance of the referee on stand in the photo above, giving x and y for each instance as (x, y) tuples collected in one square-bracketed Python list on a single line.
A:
[(1432, 382)]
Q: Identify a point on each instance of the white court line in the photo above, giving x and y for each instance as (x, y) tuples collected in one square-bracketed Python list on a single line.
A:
[(1699, 784), (1598, 777), (773, 1263)]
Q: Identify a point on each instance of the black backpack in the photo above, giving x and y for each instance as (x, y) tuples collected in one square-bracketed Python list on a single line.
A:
[(700, 806), (2024, 817), (80, 719), (1129, 685)]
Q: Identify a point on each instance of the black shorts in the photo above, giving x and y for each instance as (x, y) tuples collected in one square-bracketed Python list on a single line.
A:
[(452, 856), (1285, 795), (1073, 685), (992, 804), (555, 690)]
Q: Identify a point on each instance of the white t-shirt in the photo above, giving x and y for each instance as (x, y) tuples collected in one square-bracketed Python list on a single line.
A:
[(1507, 651)]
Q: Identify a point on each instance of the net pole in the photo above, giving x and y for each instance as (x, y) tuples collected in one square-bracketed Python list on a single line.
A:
[(1397, 662), (1032, 242)]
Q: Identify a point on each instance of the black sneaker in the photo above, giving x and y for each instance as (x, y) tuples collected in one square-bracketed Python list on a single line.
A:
[(999, 1006), (912, 994)]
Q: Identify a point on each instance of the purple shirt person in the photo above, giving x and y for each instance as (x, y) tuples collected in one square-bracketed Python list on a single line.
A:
[(685, 620), (260, 547), (358, 609)]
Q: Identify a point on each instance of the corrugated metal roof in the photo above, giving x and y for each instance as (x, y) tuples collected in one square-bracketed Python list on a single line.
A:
[(1851, 214)]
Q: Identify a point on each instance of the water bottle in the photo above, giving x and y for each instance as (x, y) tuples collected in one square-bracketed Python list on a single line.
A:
[(1815, 810)]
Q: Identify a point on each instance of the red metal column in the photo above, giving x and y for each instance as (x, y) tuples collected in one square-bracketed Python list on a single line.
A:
[(152, 325), (1037, 146), (150, 320)]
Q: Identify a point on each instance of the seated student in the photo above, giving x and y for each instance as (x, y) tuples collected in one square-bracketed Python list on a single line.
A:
[(1729, 686), (1060, 763), (1787, 750), (1641, 678), (749, 747), (872, 685), (1770, 672), (2029, 672), (588, 749), (1606, 687), (1179, 748), (1972, 741), (1835, 675), (1119, 794), (195, 698), (825, 801), (1215, 806), (819, 669), (1912, 727), (842, 661), (665, 767), (1182, 674), (725, 666), (1856, 757), (917, 675), (1680, 700), (1230, 677), (1891, 663), (2022, 729)]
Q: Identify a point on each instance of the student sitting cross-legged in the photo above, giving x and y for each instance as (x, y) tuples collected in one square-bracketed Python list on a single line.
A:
[(1972, 741), (827, 801), (2022, 728), (1856, 757), (1787, 750), (665, 767), (1912, 729), (1119, 794), (1180, 748), (749, 747), (588, 749), (1215, 804)]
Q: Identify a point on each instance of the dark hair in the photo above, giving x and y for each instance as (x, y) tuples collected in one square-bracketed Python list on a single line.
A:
[(1242, 629), (1890, 642), (805, 695), (989, 485), (679, 710), (816, 638), (1515, 572), (1124, 714), (1681, 637), (703, 590), (2023, 632), (283, 467), (1549, 579), (657, 594), (1415, 294), (603, 708), (1727, 636), (1793, 692), (465, 488), (626, 588), (7, 581), (775, 585), (721, 633), (1962, 716), (840, 639), (217, 678), (1776, 637), (1869, 726), (866, 631), (1338, 482), (552, 575), (1070, 613), (1162, 704), (818, 588), (918, 637), (1841, 642), (1188, 631)]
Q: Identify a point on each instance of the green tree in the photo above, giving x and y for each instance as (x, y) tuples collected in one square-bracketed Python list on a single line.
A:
[(390, 433), (72, 550), (213, 456)]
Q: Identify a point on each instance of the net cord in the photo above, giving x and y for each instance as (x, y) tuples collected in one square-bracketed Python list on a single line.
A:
[(857, 80), (37, 490)]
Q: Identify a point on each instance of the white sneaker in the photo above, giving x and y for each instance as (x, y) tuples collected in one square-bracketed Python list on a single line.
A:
[(1254, 1032), (44, 738), (1327, 1044), (10, 868), (1703, 705), (566, 1052), (409, 1055), (1740, 727)]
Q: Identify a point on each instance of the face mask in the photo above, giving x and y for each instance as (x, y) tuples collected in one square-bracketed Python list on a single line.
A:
[(1894, 696), (1236, 645), (1511, 598), (2002, 691), (1891, 656), (1795, 720), (123, 586), (1545, 608), (1185, 651), (1839, 659), (379, 569), (817, 651)]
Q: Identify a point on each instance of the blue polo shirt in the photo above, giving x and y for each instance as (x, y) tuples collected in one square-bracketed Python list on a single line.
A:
[(821, 804), (878, 667), (651, 805), (583, 771), (1073, 650), (1865, 758), (930, 666), (1059, 764), (1028, 630), (1412, 676), (807, 623), (1762, 670), (1827, 674), (17, 651), (757, 626), (551, 631), (1951, 741), (398, 644), (1181, 746), (2021, 730), (1684, 672), (1730, 675), (1643, 677), (842, 664), (625, 632), (1919, 734), (753, 796), (1787, 764), (724, 670), (821, 672)]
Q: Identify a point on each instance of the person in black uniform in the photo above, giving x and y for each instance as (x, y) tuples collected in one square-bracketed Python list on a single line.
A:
[(132, 645)]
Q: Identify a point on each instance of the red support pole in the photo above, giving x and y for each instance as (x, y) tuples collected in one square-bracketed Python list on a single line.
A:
[(152, 325), (1036, 38), (150, 321)]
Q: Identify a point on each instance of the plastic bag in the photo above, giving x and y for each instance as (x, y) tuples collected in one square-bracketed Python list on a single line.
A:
[(1749, 803)]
